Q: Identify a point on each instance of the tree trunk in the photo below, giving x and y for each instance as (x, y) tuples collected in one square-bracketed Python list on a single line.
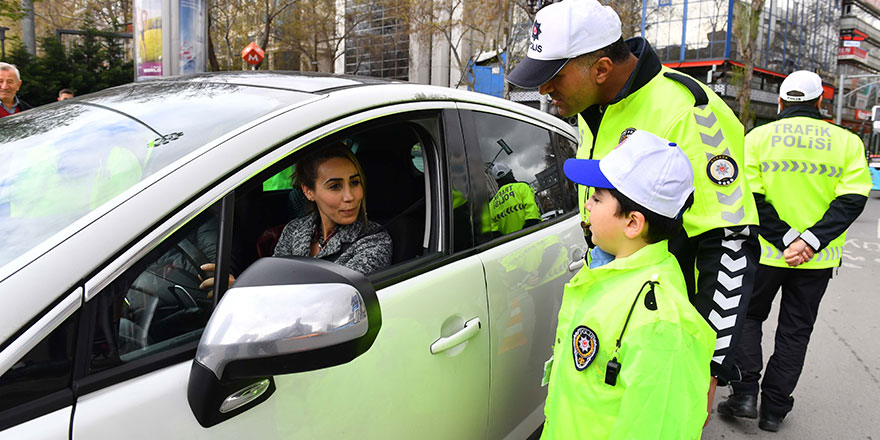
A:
[(745, 29), (212, 55)]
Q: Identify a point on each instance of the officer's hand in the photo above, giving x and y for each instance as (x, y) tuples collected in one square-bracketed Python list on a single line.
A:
[(797, 253), (713, 383)]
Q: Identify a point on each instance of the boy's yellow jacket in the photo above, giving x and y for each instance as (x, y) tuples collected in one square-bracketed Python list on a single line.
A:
[(662, 386)]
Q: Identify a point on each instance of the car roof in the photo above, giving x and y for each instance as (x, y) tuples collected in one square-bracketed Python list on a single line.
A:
[(307, 82)]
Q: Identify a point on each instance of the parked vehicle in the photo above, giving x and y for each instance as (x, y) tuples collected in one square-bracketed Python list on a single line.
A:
[(109, 204)]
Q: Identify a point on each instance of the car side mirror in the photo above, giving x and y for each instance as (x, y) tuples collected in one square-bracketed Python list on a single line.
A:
[(283, 315)]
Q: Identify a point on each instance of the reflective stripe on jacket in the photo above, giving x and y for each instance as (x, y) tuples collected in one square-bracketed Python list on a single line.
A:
[(512, 205), (664, 354)]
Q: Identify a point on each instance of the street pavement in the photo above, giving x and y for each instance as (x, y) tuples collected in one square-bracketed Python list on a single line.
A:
[(838, 396)]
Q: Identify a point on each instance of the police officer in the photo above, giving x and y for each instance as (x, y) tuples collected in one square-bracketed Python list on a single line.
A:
[(801, 238), (578, 57), (513, 207)]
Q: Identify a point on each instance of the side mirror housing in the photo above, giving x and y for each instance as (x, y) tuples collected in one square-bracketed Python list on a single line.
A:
[(284, 315)]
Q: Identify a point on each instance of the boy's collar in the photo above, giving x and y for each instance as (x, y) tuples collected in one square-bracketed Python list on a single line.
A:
[(646, 256)]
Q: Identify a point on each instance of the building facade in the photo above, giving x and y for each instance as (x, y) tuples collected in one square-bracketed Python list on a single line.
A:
[(697, 36), (859, 57)]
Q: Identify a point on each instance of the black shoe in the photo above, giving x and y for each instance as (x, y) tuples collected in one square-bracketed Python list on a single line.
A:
[(739, 405), (770, 422)]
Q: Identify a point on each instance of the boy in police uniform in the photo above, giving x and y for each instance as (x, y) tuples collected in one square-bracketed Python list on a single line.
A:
[(631, 358)]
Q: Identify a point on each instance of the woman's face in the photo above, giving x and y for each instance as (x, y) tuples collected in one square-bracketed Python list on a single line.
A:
[(338, 192)]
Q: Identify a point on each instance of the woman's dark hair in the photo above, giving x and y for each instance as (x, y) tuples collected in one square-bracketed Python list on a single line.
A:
[(659, 227), (306, 172)]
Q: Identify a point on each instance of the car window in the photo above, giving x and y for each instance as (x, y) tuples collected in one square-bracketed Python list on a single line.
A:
[(520, 172), (62, 161), (157, 303), (273, 216), (46, 369)]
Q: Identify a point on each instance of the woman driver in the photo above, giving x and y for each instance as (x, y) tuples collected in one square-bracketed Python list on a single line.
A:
[(338, 230), (332, 180)]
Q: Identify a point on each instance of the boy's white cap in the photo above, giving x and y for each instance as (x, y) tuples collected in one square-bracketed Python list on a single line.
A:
[(800, 86), (563, 31), (650, 170)]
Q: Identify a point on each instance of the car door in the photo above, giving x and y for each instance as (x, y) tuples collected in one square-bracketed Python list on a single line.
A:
[(427, 373), (527, 268)]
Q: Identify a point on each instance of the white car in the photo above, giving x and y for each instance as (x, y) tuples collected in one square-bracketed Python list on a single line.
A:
[(109, 202)]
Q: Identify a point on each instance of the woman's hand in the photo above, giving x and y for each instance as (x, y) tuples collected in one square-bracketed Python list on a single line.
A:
[(208, 284)]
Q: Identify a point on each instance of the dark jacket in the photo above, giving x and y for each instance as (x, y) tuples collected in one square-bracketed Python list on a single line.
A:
[(354, 246)]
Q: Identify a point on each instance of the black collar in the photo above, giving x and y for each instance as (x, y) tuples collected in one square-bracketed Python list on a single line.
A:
[(808, 111), (647, 67)]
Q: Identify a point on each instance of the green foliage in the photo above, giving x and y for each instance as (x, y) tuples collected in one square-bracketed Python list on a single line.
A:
[(11, 9), (95, 61)]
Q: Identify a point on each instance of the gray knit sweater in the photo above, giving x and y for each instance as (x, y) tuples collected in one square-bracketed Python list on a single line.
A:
[(369, 254)]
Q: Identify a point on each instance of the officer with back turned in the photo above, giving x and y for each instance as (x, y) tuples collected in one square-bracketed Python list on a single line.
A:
[(810, 181)]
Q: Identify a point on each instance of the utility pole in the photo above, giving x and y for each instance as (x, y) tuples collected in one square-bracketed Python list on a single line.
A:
[(3, 41), (28, 36), (842, 96)]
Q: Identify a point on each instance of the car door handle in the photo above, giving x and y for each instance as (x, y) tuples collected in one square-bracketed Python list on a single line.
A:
[(577, 259), (471, 328)]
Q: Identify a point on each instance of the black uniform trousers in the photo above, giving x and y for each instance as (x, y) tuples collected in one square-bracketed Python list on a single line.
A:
[(802, 290)]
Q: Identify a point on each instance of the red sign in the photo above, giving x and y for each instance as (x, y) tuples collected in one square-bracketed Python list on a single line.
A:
[(856, 52), (253, 54), (863, 115), (853, 34)]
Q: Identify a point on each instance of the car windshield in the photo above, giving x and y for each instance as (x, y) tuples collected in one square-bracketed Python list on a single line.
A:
[(61, 161)]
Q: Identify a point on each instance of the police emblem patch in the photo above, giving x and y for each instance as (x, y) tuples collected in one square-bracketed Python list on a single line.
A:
[(584, 345), (722, 170), (625, 134)]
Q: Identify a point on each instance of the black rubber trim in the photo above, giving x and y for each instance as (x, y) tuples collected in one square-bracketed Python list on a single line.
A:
[(131, 370), (205, 395), (36, 408), (700, 97)]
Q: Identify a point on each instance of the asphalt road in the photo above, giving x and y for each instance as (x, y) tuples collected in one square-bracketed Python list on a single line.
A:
[(838, 396)]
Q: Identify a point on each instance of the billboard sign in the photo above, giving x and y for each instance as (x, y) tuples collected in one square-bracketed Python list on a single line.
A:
[(852, 53), (192, 37), (147, 38)]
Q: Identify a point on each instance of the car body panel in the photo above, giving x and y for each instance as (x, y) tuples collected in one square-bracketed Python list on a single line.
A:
[(52, 426), (408, 380), (525, 278)]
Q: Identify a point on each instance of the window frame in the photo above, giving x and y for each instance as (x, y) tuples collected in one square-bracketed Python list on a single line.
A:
[(475, 164), (57, 314)]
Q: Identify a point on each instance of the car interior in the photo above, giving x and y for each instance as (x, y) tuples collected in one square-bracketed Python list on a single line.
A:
[(158, 302), (390, 156)]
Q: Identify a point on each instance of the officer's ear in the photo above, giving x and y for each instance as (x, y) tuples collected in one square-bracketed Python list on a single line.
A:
[(819, 103), (603, 67)]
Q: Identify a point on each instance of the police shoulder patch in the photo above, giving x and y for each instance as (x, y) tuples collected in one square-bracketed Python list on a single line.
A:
[(584, 345), (722, 170)]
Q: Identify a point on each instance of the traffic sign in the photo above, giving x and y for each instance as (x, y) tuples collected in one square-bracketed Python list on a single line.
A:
[(253, 54)]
